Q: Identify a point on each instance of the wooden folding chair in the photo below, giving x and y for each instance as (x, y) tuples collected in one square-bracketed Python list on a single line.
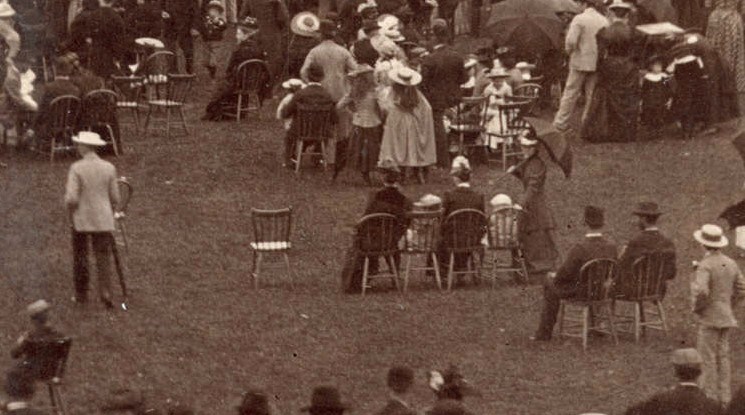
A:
[(155, 71), (503, 239), (470, 123), (504, 140), (377, 236), (314, 127), (177, 93), (530, 92), (251, 76), (421, 240), (99, 114), (128, 91), (649, 274), (462, 232), (593, 305), (64, 112), (272, 230), (51, 358)]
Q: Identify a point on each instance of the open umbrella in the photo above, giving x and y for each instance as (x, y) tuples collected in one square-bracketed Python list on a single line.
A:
[(531, 26)]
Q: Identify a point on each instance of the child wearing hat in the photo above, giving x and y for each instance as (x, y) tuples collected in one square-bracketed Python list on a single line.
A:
[(656, 95), (213, 29), (497, 92)]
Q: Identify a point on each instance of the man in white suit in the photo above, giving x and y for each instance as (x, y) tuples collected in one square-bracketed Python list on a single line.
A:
[(582, 48), (91, 195)]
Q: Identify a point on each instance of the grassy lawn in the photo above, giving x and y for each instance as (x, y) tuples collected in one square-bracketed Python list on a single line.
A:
[(199, 333)]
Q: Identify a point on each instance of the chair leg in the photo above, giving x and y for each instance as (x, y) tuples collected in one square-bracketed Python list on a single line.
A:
[(436, 264), (407, 271), (60, 405), (323, 155), (114, 141), (637, 322), (289, 270), (585, 325), (394, 270), (661, 311), (147, 118), (257, 270), (524, 267), (612, 322), (562, 310), (52, 149), (136, 117), (365, 270), (643, 318), (52, 398), (238, 108), (298, 156), (168, 123), (451, 268)]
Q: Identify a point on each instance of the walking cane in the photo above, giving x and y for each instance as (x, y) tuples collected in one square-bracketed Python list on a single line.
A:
[(120, 273)]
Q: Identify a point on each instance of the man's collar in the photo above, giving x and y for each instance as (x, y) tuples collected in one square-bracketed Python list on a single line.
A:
[(691, 384), (398, 399), (594, 235), (313, 83), (464, 184), (14, 406), (651, 229)]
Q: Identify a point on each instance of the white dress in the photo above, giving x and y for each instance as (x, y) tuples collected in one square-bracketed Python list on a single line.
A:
[(495, 121)]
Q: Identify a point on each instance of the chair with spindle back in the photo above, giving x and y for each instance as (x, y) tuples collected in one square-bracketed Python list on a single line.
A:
[(646, 287), (461, 233), (503, 238), (62, 123), (177, 93), (593, 302), (155, 70), (128, 90), (377, 236), (531, 92), (250, 76), (99, 115), (421, 240), (272, 230), (470, 122), (314, 126), (509, 126), (125, 192), (50, 361)]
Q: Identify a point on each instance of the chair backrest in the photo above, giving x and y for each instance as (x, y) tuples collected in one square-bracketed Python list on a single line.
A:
[(511, 115), (476, 108), (649, 275), (596, 278), (314, 122), (423, 232), (179, 87), (125, 192), (162, 62), (463, 230), (98, 107), (272, 225), (64, 112), (529, 90), (51, 356), (127, 88), (503, 228), (251, 76), (377, 234)]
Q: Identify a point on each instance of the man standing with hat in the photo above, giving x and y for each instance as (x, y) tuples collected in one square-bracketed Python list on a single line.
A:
[(325, 400), (718, 285), (565, 282), (649, 241), (273, 19), (30, 362), (686, 398), (91, 195)]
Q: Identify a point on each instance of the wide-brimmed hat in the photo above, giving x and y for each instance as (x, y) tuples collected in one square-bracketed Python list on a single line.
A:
[(497, 73), (88, 138), (217, 4), (325, 398), (711, 236), (470, 62), (6, 10), (528, 141), (37, 307), (647, 209), (501, 200), (370, 4), (305, 24), (429, 200), (405, 76), (594, 216), (687, 357), (460, 164), (293, 83), (360, 69)]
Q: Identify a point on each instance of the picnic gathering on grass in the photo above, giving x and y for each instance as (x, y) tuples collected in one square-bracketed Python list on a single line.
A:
[(514, 206)]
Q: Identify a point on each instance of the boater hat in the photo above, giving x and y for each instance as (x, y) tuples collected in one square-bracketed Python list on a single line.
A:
[(37, 307), (6, 10), (305, 24), (88, 138), (405, 76), (711, 236), (498, 73)]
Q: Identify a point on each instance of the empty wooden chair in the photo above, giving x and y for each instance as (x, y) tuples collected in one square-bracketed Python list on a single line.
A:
[(272, 229), (645, 293), (128, 91), (462, 232), (251, 76), (503, 241), (62, 123), (125, 192), (314, 126), (172, 105), (503, 138), (421, 241), (377, 237), (51, 358), (99, 115), (531, 92), (470, 123), (592, 306)]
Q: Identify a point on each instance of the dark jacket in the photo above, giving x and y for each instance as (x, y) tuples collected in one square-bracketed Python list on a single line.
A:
[(87, 83), (682, 400), (462, 198), (145, 20), (364, 52), (389, 200), (184, 15), (248, 49), (591, 247), (55, 89), (537, 216), (647, 242), (442, 75), (99, 38), (395, 407), (313, 94)]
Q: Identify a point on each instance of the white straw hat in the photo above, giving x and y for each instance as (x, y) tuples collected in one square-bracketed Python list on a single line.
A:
[(405, 76), (37, 307), (711, 236), (501, 200), (6, 10), (88, 138)]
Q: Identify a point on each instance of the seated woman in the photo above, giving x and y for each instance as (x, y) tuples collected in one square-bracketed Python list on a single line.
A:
[(62, 85), (248, 48)]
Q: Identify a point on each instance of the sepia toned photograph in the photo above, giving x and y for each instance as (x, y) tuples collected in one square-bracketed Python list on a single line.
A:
[(372, 207)]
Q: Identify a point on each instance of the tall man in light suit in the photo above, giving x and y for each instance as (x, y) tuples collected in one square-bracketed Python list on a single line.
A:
[(582, 48), (91, 195)]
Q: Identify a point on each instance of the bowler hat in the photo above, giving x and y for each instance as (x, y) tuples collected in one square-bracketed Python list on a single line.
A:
[(650, 209), (594, 216), (325, 398), (254, 402)]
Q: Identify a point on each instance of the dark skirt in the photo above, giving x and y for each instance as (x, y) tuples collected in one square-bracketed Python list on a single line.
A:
[(614, 108), (364, 147)]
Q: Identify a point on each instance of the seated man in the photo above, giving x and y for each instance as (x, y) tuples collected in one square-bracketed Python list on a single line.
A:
[(649, 241), (462, 197), (685, 399), (19, 387), (62, 85), (31, 362), (389, 199), (564, 283), (248, 48)]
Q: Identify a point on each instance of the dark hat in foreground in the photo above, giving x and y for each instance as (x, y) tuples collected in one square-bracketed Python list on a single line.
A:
[(448, 407), (327, 27), (325, 398), (647, 209), (254, 402), (594, 216)]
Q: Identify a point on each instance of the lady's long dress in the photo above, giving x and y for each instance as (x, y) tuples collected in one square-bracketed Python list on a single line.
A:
[(408, 135), (725, 32)]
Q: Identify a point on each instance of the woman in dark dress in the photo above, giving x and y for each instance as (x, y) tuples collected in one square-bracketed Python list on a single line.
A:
[(615, 103)]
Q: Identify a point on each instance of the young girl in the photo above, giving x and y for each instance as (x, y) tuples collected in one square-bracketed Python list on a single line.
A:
[(367, 129), (291, 86), (497, 91), (656, 95), (212, 33)]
